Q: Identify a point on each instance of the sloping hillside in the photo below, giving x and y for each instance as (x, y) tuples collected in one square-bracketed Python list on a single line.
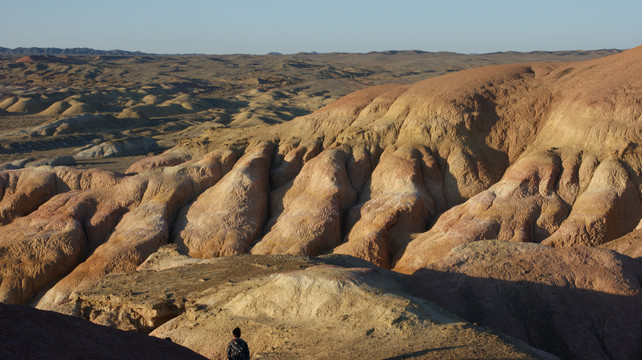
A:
[(402, 176)]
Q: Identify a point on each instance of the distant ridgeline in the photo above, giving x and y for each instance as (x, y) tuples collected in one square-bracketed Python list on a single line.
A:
[(58, 51)]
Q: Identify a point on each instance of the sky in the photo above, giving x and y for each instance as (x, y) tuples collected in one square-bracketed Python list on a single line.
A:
[(285, 26)]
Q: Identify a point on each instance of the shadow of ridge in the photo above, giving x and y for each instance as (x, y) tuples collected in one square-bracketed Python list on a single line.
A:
[(565, 321), (421, 352), (39, 334)]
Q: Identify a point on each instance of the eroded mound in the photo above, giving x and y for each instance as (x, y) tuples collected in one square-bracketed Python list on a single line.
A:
[(577, 303), (289, 308)]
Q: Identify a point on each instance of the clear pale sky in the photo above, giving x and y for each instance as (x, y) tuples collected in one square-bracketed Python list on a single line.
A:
[(258, 27)]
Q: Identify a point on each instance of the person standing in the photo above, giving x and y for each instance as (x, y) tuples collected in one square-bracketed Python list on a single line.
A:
[(237, 348)]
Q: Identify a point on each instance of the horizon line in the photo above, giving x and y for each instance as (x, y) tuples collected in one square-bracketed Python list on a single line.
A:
[(6, 50)]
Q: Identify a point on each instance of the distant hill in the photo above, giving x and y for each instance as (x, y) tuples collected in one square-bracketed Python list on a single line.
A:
[(58, 51)]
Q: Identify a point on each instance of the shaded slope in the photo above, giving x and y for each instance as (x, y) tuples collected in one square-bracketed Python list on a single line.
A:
[(35, 334), (577, 303)]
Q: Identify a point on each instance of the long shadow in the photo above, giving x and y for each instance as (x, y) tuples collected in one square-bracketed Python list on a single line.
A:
[(57, 338), (420, 353), (566, 321)]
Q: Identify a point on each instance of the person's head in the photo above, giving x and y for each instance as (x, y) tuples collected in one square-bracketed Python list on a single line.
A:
[(236, 332)]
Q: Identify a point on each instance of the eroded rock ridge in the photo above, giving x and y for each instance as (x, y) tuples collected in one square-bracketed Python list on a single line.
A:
[(399, 175)]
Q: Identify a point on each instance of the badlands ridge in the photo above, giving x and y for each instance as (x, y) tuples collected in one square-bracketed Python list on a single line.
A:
[(507, 195)]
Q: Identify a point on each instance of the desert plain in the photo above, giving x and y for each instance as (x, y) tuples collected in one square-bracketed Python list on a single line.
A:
[(387, 205)]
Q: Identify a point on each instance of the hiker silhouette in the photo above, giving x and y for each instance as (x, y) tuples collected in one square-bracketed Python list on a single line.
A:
[(237, 348)]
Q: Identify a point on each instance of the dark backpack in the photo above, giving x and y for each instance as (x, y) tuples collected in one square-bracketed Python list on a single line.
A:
[(237, 350)]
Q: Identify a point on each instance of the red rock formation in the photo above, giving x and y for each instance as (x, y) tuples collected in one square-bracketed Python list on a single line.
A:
[(25, 190), (142, 224), (98, 224), (310, 223), (38, 58), (396, 174), (40, 248), (169, 158), (629, 244), (398, 202), (599, 167), (139, 233), (577, 303), (228, 217)]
